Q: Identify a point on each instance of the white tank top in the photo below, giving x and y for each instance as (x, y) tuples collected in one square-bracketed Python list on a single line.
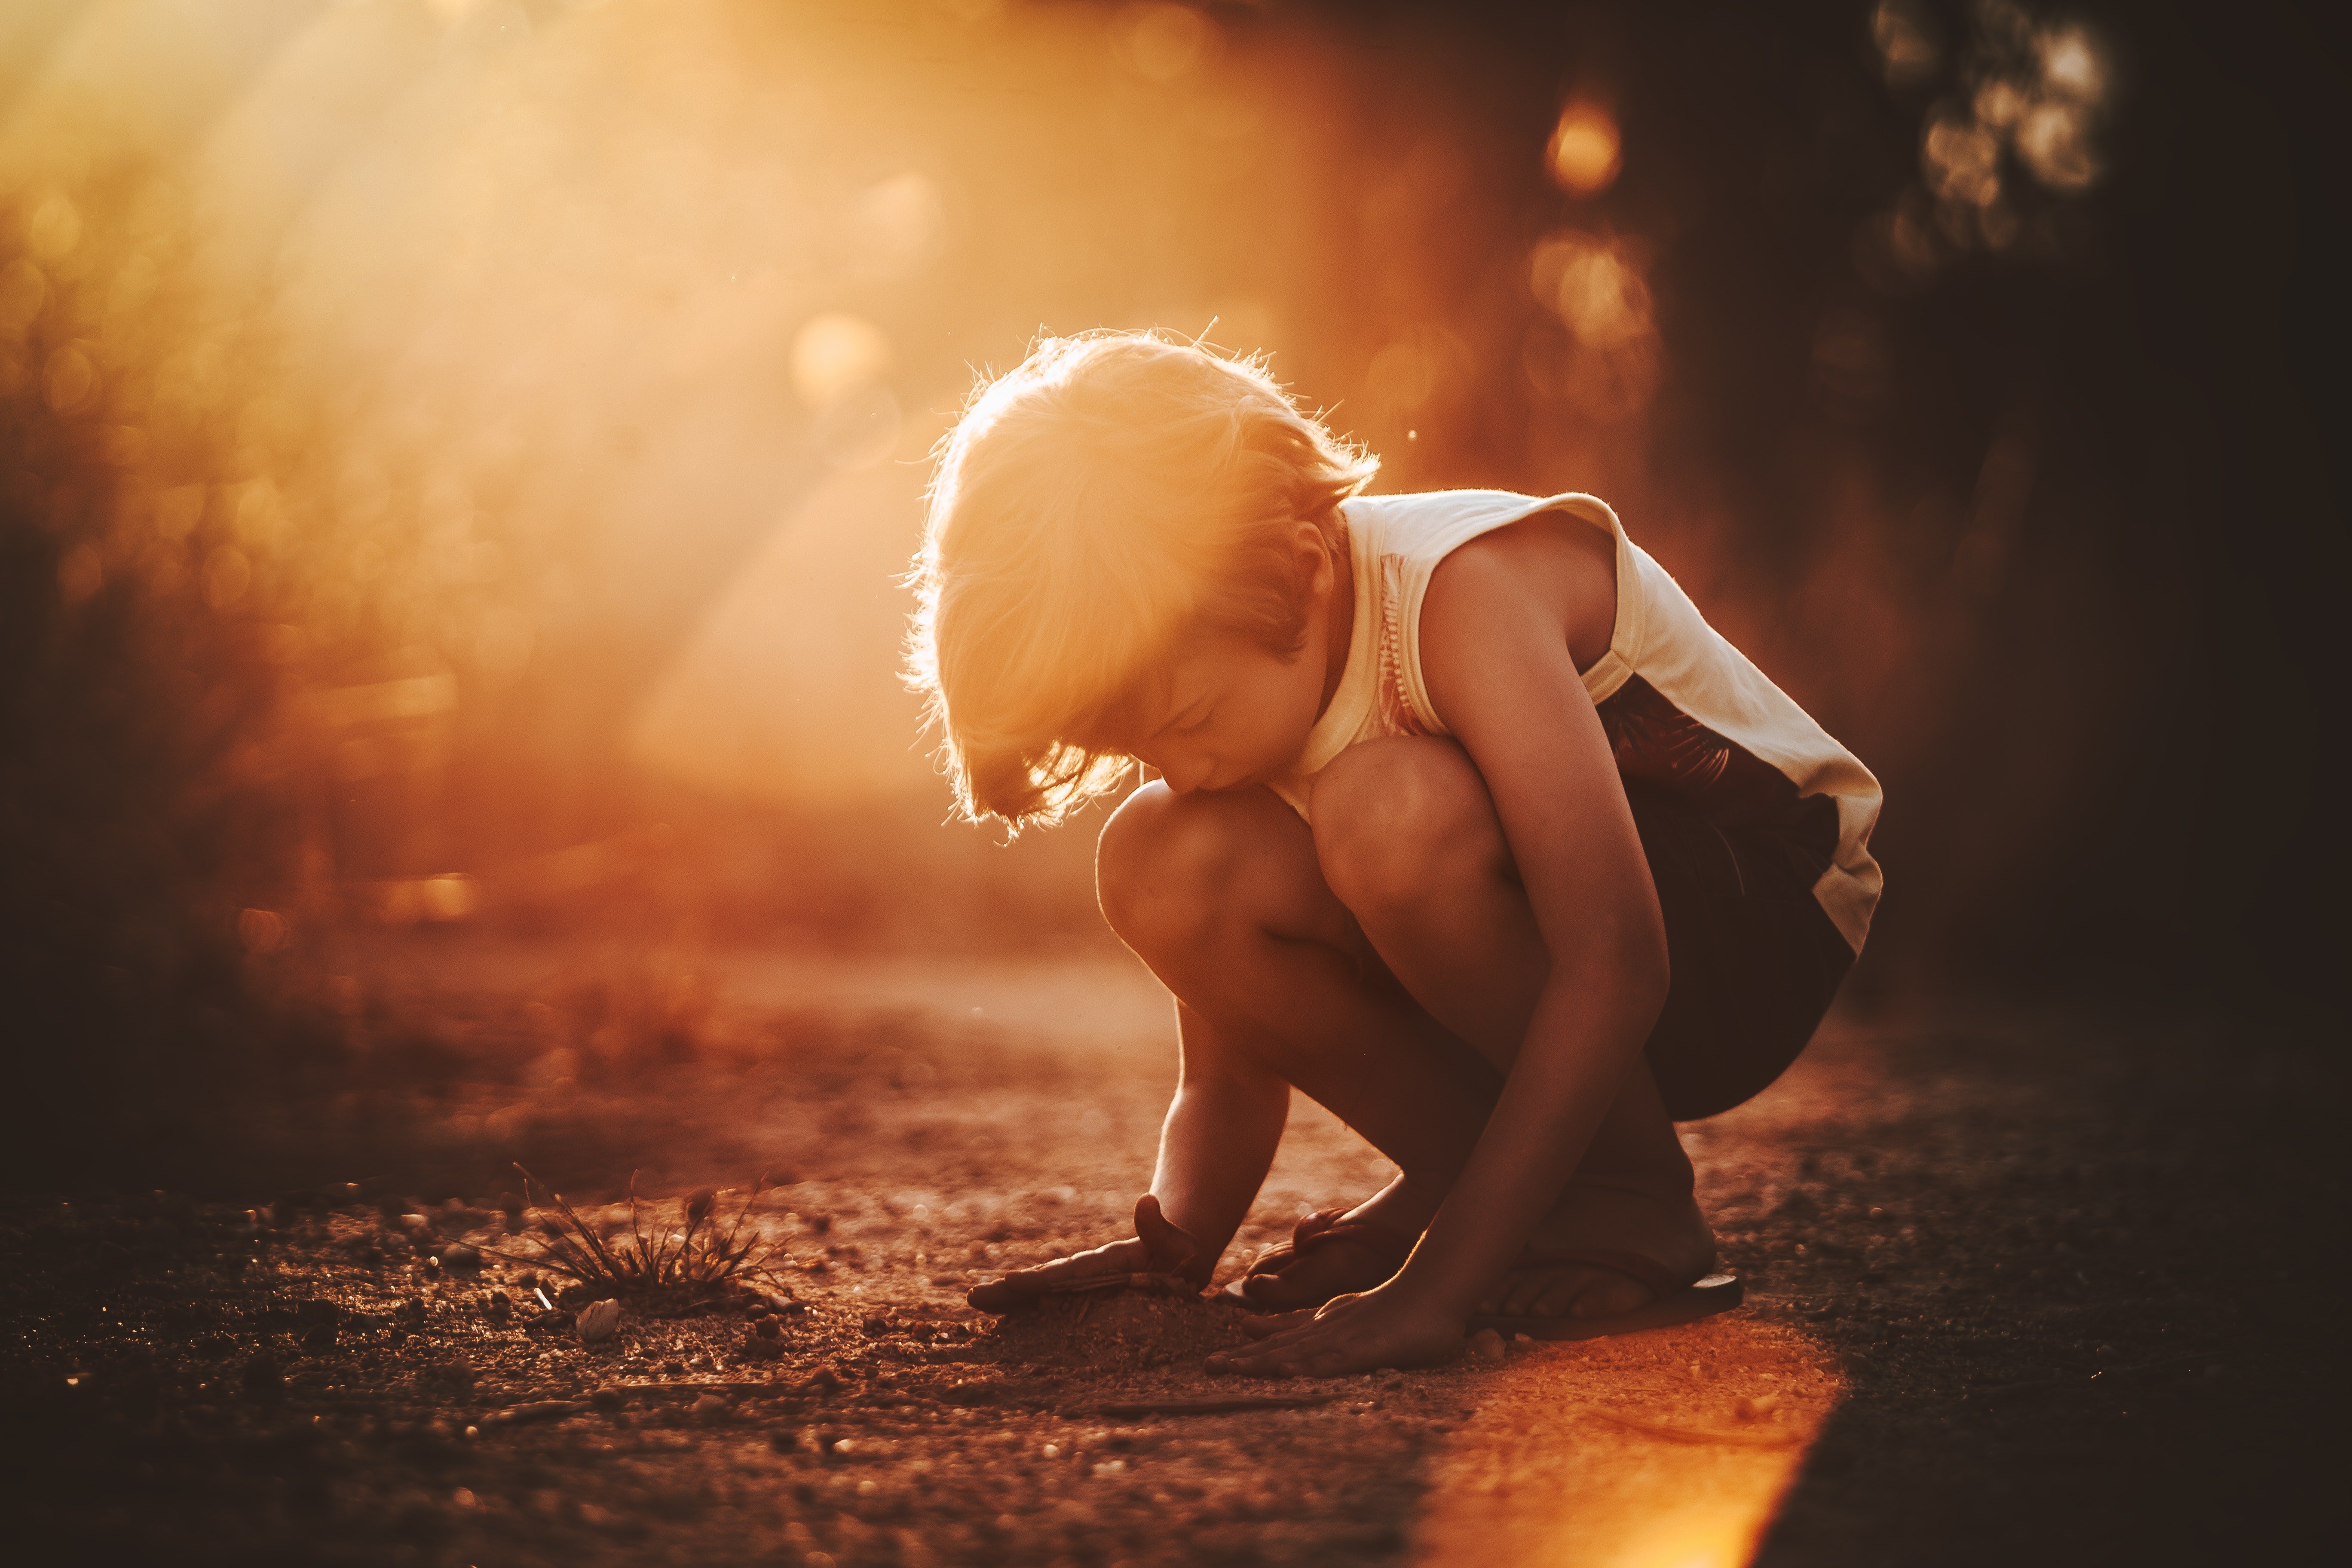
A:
[(1684, 709)]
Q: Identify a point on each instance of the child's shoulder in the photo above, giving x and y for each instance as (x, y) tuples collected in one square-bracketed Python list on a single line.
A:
[(1424, 526), (1483, 508)]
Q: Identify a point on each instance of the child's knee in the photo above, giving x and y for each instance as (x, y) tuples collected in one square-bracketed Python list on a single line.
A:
[(1165, 865), (1395, 819)]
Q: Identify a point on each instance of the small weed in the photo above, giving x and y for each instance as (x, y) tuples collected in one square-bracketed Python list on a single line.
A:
[(697, 1261)]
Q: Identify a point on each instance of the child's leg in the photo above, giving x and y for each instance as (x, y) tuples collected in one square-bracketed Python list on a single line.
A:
[(1407, 838), (1221, 895), (1226, 898)]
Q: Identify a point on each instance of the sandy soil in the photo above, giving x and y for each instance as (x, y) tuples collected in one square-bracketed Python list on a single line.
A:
[(2024, 1288)]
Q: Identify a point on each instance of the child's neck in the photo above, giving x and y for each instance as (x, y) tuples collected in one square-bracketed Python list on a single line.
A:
[(1339, 621)]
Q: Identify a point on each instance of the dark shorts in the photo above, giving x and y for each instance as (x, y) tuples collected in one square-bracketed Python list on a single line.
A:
[(1755, 958)]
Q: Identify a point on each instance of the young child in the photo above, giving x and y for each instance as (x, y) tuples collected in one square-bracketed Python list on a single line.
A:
[(1465, 824)]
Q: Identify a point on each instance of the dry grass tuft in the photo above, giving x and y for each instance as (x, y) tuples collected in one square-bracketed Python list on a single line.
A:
[(695, 1261)]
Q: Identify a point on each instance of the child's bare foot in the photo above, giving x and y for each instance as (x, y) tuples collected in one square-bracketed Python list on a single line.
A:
[(1665, 1230)]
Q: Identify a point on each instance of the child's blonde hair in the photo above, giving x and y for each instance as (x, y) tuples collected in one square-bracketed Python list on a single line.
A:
[(1117, 492)]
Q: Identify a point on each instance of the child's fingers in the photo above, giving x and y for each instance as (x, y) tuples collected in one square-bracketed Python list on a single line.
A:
[(1025, 1285), (1263, 1325)]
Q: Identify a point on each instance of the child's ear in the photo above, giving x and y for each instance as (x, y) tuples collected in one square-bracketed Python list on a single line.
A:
[(1315, 554)]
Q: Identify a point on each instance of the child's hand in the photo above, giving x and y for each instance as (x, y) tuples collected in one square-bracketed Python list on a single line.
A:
[(1385, 1327), (1156, 1248)]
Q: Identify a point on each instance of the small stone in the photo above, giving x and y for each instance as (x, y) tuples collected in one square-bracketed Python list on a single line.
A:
[(769, 1329), (460, 1258), (1756, 1409), (608, 1399), (1484, 1349), (500, 1306), (708, 1409), (597, 1320), (875, 1328)]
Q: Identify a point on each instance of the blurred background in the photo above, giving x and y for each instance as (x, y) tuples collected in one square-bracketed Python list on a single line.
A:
[(456, 458)]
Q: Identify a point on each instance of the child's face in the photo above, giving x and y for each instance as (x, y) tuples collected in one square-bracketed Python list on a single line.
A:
[(1236, 714)]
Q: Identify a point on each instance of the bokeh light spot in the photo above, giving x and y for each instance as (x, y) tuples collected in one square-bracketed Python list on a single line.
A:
[(54, 229), (447, 898), (70, 380), (1597, 294), (261, 931), (1963, 162), (1910, 50), (2053, 142), (2071, 65), (228, 574), (1585, 151), (835, 354)]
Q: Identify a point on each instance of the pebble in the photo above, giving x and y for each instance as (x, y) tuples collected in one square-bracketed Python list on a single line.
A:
[(768, 1329), (597, 1320), (1756, 1409), (460, 1258), (708, 1409), (1484, 1349)]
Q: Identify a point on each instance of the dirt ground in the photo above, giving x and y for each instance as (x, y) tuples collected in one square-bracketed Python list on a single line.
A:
[(2025, 1286)]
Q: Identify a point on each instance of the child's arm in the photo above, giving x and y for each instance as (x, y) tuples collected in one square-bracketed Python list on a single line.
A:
[(1496, 631), (1215, 1146)]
